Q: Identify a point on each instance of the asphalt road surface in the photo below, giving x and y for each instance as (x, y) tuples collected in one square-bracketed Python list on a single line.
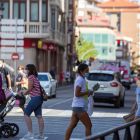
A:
[(57, 113)]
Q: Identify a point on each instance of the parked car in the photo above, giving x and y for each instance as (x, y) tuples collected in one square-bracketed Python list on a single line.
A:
[(111, 89), (133, 78), (48, 84), (126, 83)]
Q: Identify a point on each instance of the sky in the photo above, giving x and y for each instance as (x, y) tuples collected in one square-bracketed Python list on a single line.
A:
[(130, 0)]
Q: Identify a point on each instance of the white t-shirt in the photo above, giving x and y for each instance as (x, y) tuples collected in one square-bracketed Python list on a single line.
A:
[(67, 74), (80, 101)]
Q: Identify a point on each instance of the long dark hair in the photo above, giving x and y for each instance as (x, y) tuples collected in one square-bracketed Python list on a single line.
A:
[(82, 67), (32, 70)]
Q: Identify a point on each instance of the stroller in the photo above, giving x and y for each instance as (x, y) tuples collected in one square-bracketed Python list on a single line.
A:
[(9, 129)]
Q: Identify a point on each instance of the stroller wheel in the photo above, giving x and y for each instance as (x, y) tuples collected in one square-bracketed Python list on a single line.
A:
[(15, 129), (6, 131)]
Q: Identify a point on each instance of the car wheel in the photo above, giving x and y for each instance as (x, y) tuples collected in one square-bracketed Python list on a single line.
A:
[(50, 94), (122, 102), (54, 96), (117, 103)]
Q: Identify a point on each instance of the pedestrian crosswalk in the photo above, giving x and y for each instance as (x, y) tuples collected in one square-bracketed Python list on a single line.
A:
[(67, 113)]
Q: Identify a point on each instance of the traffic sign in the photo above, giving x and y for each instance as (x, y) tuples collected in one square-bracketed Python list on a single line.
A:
[(15, 56)]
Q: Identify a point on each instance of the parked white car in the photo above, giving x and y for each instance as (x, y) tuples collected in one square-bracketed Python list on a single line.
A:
[(48, 84), (111, 89)]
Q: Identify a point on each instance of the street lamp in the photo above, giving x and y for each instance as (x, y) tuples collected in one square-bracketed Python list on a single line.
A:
[(1, 10), (79, 42)]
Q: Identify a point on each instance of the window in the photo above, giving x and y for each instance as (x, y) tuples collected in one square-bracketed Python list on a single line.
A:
[(19, 8), (34, 10), (90, 37), (104, 51), (80, 13), (70, 26), (100, 77), (43, 77), (138, 16), (97, 38), (70, 2), (53, 19), (119, 54), (45, 10), (108, 15), (5, 4), (89, 4), (104, 38), (81, 3), (138, 25)]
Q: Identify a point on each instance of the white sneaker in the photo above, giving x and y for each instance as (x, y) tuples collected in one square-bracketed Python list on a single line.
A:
[(40, 137), (29, 136)]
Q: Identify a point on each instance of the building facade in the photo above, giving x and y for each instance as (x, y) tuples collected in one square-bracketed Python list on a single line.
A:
[(45, 22), (125, 17), (100, 33)]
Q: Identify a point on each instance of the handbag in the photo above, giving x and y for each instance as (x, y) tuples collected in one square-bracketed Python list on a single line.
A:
[(129, 117), (90, 105), (43, 93)]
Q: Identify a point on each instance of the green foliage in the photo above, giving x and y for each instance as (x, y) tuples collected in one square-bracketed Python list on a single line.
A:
[(85, 46)]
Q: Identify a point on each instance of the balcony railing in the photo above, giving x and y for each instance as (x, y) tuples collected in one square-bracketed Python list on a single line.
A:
[(37, 30), (58, 37)]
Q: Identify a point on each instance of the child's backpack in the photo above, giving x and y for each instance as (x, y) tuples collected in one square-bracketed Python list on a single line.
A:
[(1, 94)]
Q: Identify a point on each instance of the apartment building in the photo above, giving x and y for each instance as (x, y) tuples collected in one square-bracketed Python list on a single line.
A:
[(45, 24), (100, 33), (124, 15)]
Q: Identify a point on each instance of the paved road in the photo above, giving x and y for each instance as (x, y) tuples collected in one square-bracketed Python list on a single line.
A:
[(57, 113)]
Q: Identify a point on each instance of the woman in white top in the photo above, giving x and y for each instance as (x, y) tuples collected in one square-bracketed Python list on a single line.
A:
[(80, 102)]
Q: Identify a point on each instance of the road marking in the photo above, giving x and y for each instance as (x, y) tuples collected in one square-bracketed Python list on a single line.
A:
[(75, 139), (60, 103), (34, 139)]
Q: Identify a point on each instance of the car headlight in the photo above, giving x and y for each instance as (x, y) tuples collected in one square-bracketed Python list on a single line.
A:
[(47, 86)]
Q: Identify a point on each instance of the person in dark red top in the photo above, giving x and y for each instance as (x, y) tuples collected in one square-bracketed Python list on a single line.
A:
[(61, 77), (35, 104)]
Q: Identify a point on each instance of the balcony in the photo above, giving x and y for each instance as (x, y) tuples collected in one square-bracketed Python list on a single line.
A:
[(37, 30), (58, 38), (57, 3), (43, 31)]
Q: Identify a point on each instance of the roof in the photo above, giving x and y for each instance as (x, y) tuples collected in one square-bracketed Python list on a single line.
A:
[(93, 21), (102, 71), (120, 36), (118, 3)]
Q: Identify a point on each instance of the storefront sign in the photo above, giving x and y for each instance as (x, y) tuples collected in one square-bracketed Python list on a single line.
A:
[(46, 46), (51, 46)]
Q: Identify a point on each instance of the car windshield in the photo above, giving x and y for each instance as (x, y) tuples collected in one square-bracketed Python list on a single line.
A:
[(100, 77), (43, 78)]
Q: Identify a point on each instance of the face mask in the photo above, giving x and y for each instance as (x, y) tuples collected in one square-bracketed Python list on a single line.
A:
[(19, 71), (26, 75), (86, 74), (25, 71), (0, 65)]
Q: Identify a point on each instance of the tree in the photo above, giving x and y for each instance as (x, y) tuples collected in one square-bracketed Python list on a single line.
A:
[(85, 45)]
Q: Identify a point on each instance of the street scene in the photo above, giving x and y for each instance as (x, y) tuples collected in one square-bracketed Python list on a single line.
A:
[(70, 69)]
